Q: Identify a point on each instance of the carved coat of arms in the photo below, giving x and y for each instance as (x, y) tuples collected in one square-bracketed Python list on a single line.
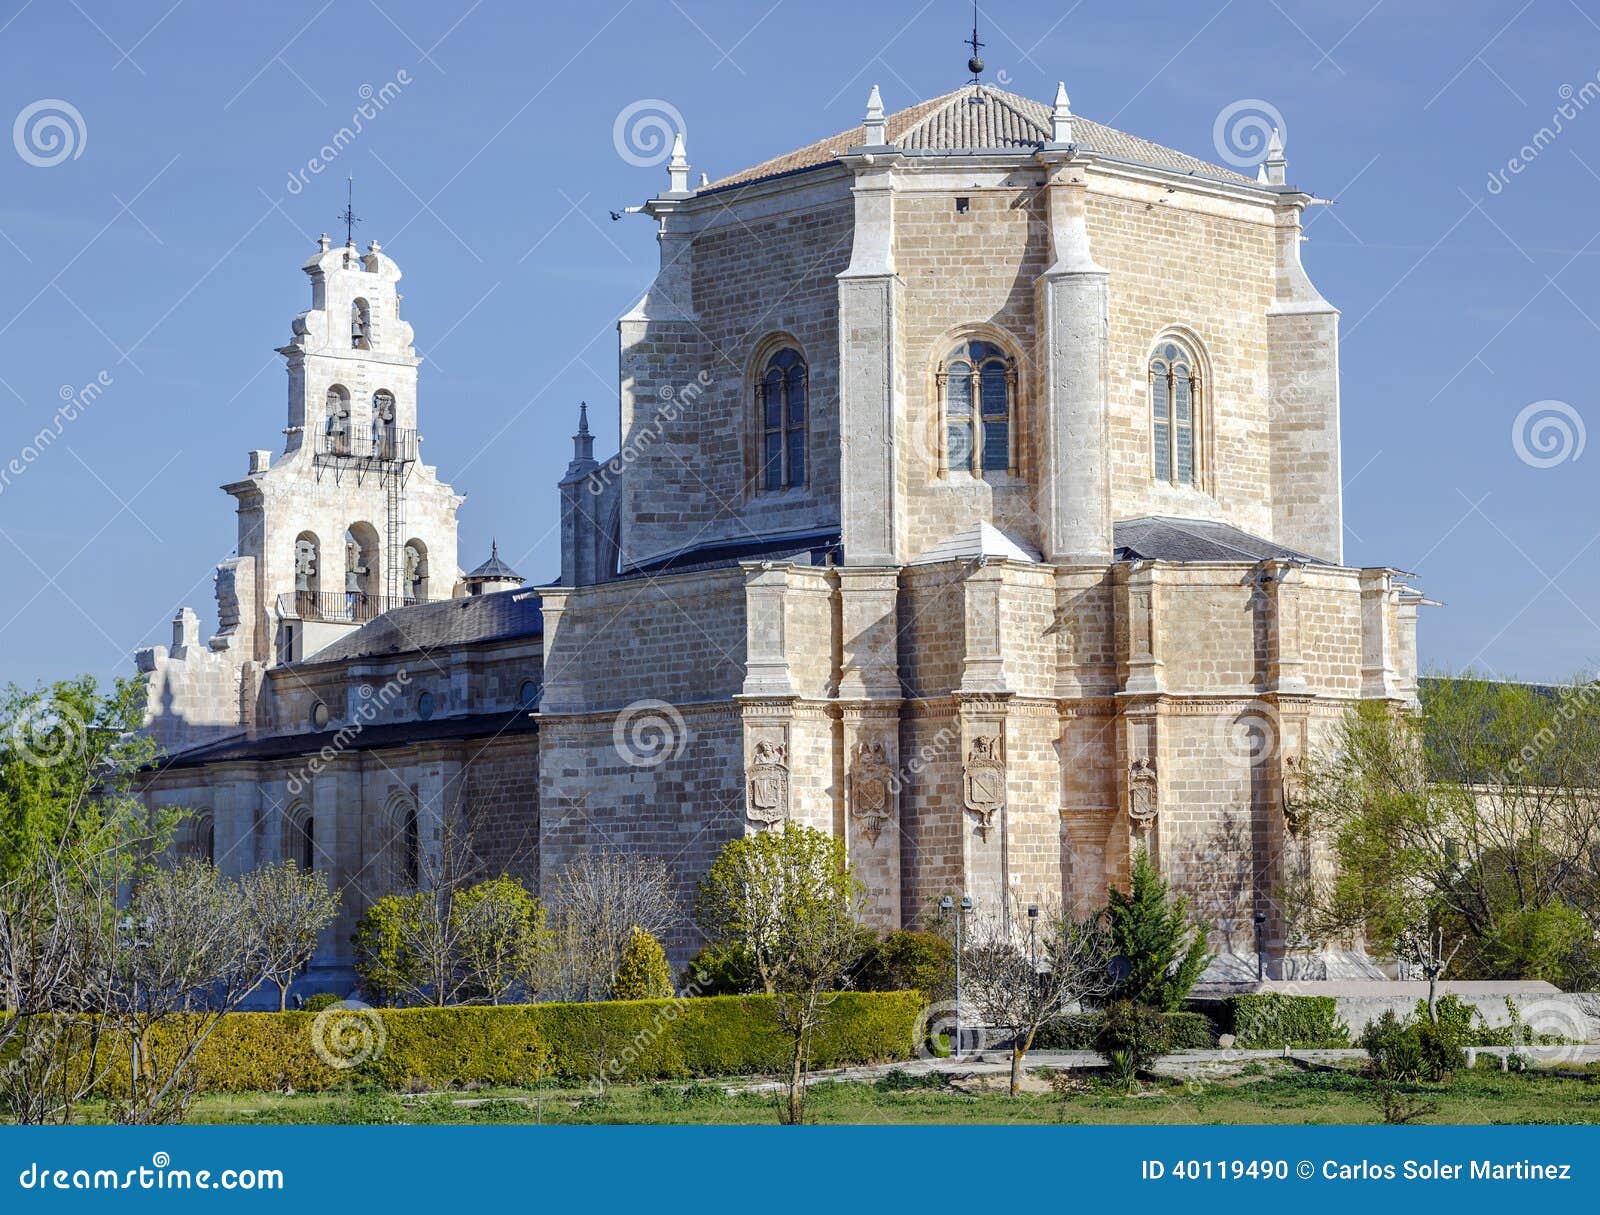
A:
[(1296, 813), (872, 789), (768, 785), (984, 781), (1142, 794)]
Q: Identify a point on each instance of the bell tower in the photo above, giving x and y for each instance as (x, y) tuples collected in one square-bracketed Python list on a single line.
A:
[(350, 523)]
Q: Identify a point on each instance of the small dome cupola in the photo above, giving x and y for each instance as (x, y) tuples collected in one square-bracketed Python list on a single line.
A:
[(493, 575)]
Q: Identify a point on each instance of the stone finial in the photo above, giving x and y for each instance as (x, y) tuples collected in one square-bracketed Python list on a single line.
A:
[(877, 127), (678, 167), (583, 441), (1261, 175), (1276, 164), (324, 242), (1061, 116)]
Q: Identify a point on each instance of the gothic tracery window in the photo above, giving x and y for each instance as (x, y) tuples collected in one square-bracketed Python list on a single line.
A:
[(360, 325), (1174, 412), (781, 407), (978, 387)]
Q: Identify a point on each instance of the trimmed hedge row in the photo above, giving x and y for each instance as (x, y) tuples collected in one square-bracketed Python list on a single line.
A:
[(514, 1045), (1272, 1019), (1185, 1031)]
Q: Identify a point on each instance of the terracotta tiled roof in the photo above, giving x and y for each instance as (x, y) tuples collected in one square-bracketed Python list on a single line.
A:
[(1004, 120)]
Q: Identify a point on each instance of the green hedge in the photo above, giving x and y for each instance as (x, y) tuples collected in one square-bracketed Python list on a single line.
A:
[(1185, 1031), (519, 1044), (1271, 1020)]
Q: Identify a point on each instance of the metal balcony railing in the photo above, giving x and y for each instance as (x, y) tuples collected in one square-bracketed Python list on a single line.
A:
[(336, 607), (388, 444)]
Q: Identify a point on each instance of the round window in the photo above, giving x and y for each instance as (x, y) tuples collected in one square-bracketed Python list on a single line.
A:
[(528, 695), (319, 715), (425, 705)]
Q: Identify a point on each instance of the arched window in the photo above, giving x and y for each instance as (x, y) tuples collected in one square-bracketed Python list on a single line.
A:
[(337, 427), (300, 839), (978, 386), (781, 408), (1174, 411), (405, 840), (307, 574), (361, 572), (383, 424), (416, 571), (201, 842), (360, 325)]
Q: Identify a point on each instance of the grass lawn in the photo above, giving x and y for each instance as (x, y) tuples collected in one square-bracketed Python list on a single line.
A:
[(1270, 1093)]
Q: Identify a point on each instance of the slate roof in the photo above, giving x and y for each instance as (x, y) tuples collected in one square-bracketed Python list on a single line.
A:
[(816, 547), (450, 622), (1159, 538), (1003, 122), (371, 737), (984, 540), (494, 567)]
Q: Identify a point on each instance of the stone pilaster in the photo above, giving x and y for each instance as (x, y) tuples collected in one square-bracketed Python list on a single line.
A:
[(869, 388), (766, 631), (873, 781), (1139, 605), (983, 666), (868, 605), (1074, 325), (1380, 674)]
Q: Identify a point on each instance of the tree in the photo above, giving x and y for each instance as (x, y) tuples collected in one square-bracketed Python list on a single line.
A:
[(909, 960), (502, 938), (643, 973), (1161, 955), (286, 911), (597, 901), (1467, 834), (789, 898), (1022, 984)]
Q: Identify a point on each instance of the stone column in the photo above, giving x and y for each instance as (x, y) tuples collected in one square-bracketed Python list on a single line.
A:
[(869, 373), (1073, 307)]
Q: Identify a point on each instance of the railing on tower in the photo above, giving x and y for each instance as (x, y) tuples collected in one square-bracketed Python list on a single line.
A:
[(386, 445), (336, 607)]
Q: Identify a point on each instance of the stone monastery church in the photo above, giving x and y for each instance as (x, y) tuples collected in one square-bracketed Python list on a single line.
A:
[(978, 502)]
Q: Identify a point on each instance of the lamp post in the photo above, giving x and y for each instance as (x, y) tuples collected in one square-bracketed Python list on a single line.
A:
[(1033, 924), (947, 905), (1261, 923)]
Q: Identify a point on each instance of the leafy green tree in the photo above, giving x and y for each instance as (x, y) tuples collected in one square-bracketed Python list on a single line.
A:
[(502, 938), (70, 755), (909, 960), (790, 899), (643, 973), (1161, 955)]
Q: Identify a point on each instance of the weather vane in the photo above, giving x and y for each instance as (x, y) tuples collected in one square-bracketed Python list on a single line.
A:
[(351, 219), (975, 64)]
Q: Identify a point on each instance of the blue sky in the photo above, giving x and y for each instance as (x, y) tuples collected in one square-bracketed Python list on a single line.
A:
[(160, 258)]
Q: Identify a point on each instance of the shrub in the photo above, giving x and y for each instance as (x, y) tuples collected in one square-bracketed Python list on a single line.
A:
[(908, 960), (319, 1001), (519, 1044), (1135, 1032), (1394, 1049), (720, 970), (1442, 1040), (1081, 1031), (1271, 1020), (643, 973)]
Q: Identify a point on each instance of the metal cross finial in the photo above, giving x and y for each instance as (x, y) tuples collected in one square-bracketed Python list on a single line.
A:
[(975, 64), (351, 219)]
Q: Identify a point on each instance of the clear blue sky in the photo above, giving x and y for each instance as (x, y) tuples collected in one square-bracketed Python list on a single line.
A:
[(164, 256)]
